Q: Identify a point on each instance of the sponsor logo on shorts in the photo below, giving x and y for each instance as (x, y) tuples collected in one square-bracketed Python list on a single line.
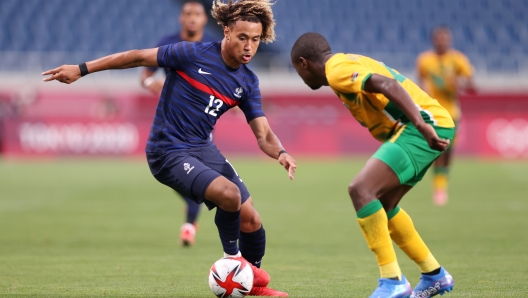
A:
[(187, 167)]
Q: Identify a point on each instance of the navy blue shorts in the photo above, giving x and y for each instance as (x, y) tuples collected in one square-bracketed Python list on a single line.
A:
[(190, 171)]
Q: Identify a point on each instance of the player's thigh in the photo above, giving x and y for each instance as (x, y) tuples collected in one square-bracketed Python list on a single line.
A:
[(444, 159), (392, 198), (224, 194), (216, 161), (183, 172), (374, 179)]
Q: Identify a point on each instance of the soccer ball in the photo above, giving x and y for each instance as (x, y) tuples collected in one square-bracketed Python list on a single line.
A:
[(231, 277)]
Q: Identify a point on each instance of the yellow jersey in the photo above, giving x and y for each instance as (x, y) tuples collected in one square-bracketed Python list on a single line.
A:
[(346, 75), (439, 74)]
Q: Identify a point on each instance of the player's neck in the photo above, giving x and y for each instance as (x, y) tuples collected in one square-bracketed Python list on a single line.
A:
[(192, 37), (326, 57), (441, 52), (227, 57)]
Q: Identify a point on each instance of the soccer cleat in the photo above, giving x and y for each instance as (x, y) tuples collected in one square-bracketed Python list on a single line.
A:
[(440, 197), (390, 288), (267, 292), (261, 278), (432, 285), (187, 232)]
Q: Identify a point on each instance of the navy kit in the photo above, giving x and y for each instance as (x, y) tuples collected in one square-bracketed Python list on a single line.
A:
[(175, 38), (198, 89), (190, 171)]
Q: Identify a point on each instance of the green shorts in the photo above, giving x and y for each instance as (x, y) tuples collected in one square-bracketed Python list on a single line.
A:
[(408, 154)]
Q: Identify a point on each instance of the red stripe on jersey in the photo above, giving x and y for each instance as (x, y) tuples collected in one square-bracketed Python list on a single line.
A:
[(207, 89)]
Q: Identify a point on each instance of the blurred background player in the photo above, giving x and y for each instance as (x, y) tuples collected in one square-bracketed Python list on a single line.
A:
[(192, 20), (444, 73)]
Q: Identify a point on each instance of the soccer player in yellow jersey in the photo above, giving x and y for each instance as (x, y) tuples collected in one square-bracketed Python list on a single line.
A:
[(414, 129), (443, 73)]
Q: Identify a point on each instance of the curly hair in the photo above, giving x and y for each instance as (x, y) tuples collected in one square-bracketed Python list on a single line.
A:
[(255, 11)]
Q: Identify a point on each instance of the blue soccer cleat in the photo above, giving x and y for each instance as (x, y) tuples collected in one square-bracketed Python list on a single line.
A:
[(390, 288), (432, 285)]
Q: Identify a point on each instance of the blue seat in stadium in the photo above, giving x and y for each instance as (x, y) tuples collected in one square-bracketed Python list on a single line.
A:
[(396, 26)]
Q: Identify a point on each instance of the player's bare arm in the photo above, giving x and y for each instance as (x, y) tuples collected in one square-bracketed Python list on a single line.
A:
[(270, 144), (70, 73), (395, 93)]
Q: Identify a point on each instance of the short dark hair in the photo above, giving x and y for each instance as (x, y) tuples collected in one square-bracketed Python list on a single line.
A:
[(254, 11), (310, 46), (438, 28)]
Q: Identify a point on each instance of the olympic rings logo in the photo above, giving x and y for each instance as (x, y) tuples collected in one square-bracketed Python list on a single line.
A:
[(510, 138)]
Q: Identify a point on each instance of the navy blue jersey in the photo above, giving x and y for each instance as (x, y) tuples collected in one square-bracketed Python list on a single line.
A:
[(175, 38), (199, 88)]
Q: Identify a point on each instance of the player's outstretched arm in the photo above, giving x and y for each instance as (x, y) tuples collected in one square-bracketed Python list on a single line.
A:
[(395, 93), (270, 144), (70, 73)]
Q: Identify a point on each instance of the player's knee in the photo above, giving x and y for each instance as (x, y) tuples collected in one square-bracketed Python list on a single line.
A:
[(229, 198), (357, 192)]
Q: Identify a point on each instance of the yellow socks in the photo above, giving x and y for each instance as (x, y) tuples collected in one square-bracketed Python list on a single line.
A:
[(373, 222), (402, 231), (440, 178)]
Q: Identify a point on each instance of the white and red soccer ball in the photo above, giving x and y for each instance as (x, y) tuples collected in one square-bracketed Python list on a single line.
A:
[(231, 277)]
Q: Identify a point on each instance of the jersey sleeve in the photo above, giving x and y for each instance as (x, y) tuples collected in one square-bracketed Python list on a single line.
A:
[(348, 77), (176, 55), (161, 42), (252, 106), (464, 67)]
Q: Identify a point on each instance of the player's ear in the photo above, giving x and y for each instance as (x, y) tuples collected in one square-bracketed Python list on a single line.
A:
[(304, 62), (226, 32)]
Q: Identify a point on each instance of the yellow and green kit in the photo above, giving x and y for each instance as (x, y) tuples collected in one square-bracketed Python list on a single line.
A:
[(405, 150)]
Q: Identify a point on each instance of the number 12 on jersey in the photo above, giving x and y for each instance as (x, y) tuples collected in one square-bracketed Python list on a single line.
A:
[(214, 106)]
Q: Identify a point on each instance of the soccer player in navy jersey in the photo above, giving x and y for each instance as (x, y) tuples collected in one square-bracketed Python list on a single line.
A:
[(206, 80), (193, 20)]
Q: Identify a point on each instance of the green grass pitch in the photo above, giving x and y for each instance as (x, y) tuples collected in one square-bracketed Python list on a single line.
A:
[(107, 228)]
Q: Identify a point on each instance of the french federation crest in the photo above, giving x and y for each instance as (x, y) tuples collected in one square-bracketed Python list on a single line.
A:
[(238, 92)]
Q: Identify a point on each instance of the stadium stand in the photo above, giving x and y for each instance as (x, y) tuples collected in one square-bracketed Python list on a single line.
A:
[(494, 34)]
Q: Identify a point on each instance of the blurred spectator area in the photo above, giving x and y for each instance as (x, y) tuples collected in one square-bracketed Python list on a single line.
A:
[(38, 34)]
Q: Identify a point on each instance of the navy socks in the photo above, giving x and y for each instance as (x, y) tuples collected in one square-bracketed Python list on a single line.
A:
[(253, 245), (192, 210), (228, 224)]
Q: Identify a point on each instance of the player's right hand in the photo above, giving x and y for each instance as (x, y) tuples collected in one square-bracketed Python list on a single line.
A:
[(432, 138), (66, 74), (289, 164)]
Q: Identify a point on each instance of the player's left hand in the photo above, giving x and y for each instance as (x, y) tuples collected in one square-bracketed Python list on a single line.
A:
[(289, 164), (66, 74), (432, 138)]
